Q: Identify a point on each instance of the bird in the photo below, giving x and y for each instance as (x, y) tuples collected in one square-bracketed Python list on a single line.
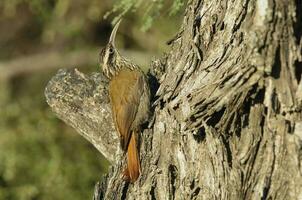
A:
[(129, 94)]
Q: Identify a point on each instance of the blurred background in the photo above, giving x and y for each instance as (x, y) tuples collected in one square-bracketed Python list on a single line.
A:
[(40, 156)]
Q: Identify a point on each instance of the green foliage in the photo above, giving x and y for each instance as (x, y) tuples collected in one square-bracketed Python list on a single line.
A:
[(57, 13), (176, 6), (150, 9), (40, 157)]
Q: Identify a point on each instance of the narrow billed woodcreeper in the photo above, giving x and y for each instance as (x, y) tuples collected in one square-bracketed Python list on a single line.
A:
[(130, 101)]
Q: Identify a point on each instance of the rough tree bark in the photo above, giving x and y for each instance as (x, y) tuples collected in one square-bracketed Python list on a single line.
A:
[(227, 120)]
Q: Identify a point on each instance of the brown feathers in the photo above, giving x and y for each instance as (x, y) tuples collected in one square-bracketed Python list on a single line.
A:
[(125, 91), (130, 101)]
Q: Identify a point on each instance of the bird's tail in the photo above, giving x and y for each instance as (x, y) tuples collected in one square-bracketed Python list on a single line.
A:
[(133, 168)]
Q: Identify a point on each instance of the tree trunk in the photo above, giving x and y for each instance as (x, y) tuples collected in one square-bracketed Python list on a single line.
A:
[(227, 120)]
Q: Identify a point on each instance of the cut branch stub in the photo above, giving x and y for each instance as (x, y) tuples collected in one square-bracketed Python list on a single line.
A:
[(82, 102)]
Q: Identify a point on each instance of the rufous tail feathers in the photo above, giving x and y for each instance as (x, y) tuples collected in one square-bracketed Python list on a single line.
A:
[(133, 169)]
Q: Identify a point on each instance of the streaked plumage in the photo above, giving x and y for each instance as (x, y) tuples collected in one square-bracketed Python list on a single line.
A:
[(130, 101)]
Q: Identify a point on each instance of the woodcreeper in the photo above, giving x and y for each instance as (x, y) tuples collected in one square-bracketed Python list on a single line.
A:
[(130, 101)]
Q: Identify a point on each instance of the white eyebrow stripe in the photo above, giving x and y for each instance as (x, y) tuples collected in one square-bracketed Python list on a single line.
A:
[(105, 61)]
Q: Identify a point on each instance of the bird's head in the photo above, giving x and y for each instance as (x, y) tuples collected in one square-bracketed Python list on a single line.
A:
[(109, 56)]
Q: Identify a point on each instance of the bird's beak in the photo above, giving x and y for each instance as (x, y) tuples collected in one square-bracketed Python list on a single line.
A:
[(113, 33)]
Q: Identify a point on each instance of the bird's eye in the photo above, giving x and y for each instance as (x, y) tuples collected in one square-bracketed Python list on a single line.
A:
[(111, 50)]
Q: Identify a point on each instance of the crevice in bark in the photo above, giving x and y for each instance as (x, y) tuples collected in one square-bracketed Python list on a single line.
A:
[(173, 177), (298, 70), (256, 96), (297, 23), (259, 98), (154, 85), (195, 190), (221, 28), (244, 121), (215, 117), (265, 192), (245, 113), (241, 17), (275, 102), (195, 193), (228, 151), (100, 188), (124, 191), (200, 135), (289, 127), (152, 191), (276, 68)]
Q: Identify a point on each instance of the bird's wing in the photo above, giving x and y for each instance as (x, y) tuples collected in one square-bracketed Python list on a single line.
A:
[(125, 92)]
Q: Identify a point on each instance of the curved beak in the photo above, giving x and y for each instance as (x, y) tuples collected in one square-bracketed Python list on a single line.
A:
[(113, 33)]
